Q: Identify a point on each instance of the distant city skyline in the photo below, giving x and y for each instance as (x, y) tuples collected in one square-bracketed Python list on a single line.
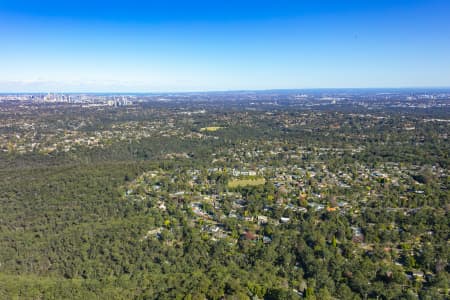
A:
[(174, 46)]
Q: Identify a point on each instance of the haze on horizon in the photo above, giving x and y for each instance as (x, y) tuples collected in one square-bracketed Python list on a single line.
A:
[(137, 46)]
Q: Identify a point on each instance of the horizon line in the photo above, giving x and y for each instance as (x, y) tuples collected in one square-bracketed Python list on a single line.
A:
[(230, 90)]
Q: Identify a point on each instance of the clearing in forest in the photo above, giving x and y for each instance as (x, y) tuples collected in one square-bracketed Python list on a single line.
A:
[(234, 183)]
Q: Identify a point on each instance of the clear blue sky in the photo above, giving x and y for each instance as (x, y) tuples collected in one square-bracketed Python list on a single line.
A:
[(222, 44)]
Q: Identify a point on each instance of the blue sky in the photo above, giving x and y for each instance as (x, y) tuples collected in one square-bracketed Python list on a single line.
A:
[(146, 46)]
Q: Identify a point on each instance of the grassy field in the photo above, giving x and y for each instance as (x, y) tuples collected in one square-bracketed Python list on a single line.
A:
[(210, 129), (246, 182)]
